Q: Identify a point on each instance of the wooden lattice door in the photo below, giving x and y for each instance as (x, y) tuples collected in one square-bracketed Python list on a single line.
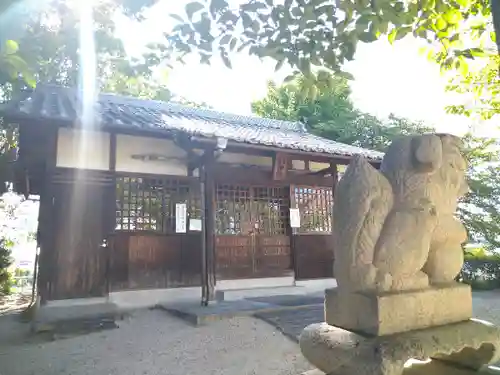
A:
[(146, 250), (252, 237), (313, 241)]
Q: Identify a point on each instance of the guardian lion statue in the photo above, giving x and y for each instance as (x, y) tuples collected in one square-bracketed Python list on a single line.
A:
[(395, 229)]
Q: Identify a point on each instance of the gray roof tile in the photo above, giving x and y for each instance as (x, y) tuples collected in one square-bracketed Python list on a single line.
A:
[(64, 104)]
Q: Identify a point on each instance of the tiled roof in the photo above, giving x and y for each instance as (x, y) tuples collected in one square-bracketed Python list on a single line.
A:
[(63, 104)]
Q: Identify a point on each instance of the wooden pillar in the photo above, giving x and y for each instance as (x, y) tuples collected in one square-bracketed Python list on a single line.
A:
[(335, 175), (110, 213), (207, 185), (47, 269)]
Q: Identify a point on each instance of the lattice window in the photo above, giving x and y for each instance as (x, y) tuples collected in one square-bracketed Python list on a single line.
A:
[(148, 204), (315, 206), (246, 210)]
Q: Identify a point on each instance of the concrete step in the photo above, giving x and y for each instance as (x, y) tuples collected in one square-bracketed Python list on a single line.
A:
[(237, 294)]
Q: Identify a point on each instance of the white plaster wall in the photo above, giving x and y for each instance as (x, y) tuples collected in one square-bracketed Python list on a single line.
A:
[(298, 164), (313, 166), (127, 145), (82, 149), (262, 161)]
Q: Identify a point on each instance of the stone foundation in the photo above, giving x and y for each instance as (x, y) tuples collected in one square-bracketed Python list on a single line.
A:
[(465, 346), (389, 313)]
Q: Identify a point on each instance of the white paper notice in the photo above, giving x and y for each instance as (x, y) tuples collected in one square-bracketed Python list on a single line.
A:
[(180, 217), (294, 218), (195, 225)]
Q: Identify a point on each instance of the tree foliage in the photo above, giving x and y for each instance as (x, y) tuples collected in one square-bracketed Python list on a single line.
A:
[(51, 48), (323, 33), (331, 114), (52, 45), (5, 262), (480, 208), (483, 86)]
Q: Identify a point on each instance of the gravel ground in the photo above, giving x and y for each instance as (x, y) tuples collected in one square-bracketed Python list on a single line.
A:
[(152, 342)]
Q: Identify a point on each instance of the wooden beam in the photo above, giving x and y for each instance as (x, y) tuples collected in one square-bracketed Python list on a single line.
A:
[(207, 185), (325, 171), (280, 166)]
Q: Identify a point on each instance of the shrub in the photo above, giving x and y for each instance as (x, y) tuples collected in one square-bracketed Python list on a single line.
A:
[(481, 269), (5, 262)]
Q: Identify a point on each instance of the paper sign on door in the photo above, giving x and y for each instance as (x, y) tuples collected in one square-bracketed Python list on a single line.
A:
[(294, 218), (180, 217)]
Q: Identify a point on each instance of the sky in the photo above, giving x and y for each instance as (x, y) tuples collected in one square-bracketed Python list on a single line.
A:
[(388, 78)]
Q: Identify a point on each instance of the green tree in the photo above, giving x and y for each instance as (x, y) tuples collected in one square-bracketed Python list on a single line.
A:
[(52, 49), (331, 114), (483, 85), (480, 209), (322, 33)]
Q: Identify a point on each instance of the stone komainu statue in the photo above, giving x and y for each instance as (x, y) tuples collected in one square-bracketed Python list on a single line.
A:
[(395, 228)]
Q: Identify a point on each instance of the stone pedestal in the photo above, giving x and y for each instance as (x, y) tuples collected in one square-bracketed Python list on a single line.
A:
[(389, 313), (459, 348)]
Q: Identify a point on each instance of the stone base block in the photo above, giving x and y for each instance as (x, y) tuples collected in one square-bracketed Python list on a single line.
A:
[(389, 313), (466, 346), (432, 367)]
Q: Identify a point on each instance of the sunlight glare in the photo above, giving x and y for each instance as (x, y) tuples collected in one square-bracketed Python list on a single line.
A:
[(87, 63), (87, 100)]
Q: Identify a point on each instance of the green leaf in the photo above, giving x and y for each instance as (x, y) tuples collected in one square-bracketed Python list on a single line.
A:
[(225, 39), (441, 23), (367, 37), (192, 8), (29, 78), (362, 23), (297, 12), (228, 16), (247, 20), (243, 46), (225, 60), (176, 17), (392, 35), (11, 47), (279, 64), (402, 32), (217, 5), (453, 16), (204, 59), (478, 52), (233, 44), (203, 27), (253, 6)]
